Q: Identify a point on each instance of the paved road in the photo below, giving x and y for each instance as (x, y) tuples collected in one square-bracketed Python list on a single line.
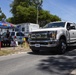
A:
[(41, 64)]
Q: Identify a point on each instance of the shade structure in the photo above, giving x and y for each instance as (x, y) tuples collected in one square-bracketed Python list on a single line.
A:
[(6, 25)]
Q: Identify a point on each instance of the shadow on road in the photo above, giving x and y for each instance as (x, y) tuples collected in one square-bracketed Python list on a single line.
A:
[(43, 53), (70, 52), (58, 65)]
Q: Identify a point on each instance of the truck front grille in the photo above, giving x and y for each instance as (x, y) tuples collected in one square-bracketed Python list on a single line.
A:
[(39, 36)]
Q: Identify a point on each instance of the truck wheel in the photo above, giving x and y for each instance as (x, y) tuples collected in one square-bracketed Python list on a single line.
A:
[(62, 46), (35, 51)]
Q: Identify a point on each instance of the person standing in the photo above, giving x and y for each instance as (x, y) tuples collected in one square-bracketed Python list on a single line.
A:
[(8, 34), (8, 38)]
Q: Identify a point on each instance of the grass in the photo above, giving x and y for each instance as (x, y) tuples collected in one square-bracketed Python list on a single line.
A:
[(12, 50), (6, 52)]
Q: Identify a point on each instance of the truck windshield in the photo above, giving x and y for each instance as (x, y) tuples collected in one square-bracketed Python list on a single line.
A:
[(55, 25)]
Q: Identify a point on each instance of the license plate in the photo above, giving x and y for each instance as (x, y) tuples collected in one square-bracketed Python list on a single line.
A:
[(37, 45)]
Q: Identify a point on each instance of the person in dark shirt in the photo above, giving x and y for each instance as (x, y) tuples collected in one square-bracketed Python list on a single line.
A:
[(8, 34), (8, 38)]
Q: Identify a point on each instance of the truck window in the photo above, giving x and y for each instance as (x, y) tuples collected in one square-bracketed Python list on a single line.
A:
[(23, 29), (75, 26), (71, 26), (20, 34), (55, 25), (68, 25)]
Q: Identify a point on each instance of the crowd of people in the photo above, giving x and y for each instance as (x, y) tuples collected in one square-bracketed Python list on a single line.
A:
[(8, 40)]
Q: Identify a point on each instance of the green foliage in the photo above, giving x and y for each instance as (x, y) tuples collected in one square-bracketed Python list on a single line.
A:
[(2, 15), (24, 15), (9, 20), (26, 11), (45, 17), (23, 3)]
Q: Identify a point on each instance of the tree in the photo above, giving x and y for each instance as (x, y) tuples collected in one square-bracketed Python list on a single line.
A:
[(45, 17), (23, 3), (24, 14), (26, 11), (2, 15)]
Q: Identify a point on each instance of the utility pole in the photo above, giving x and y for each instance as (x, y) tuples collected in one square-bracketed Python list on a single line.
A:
[(37, 14), (37, 2)]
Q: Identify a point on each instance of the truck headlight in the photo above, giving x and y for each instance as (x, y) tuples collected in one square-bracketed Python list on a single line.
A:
[(53, 34)]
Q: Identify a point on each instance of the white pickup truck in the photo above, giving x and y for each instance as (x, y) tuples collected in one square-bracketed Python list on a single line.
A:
[(54, 36)]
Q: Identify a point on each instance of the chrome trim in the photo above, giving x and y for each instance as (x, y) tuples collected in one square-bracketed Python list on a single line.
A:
[(39, 35), (47, 45), (44, 41), (51, 45)]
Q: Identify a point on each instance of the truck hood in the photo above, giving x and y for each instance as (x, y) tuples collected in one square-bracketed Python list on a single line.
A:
[(48, 29)]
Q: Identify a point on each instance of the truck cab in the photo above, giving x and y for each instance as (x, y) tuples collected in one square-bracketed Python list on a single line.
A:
[(53, 36)]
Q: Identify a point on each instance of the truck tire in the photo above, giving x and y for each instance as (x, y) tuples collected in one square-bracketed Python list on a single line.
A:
[(35, 51), (62, 46)]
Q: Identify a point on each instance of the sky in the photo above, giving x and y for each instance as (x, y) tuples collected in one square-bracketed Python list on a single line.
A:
[(5, 7), (65, 9)]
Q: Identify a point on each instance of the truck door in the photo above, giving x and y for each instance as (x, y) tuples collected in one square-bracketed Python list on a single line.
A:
[(71, 32)]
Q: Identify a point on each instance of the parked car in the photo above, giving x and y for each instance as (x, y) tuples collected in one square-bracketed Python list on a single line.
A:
[(15, 36)]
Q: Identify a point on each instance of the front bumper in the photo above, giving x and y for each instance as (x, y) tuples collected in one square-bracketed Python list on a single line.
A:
[(43, 44)]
